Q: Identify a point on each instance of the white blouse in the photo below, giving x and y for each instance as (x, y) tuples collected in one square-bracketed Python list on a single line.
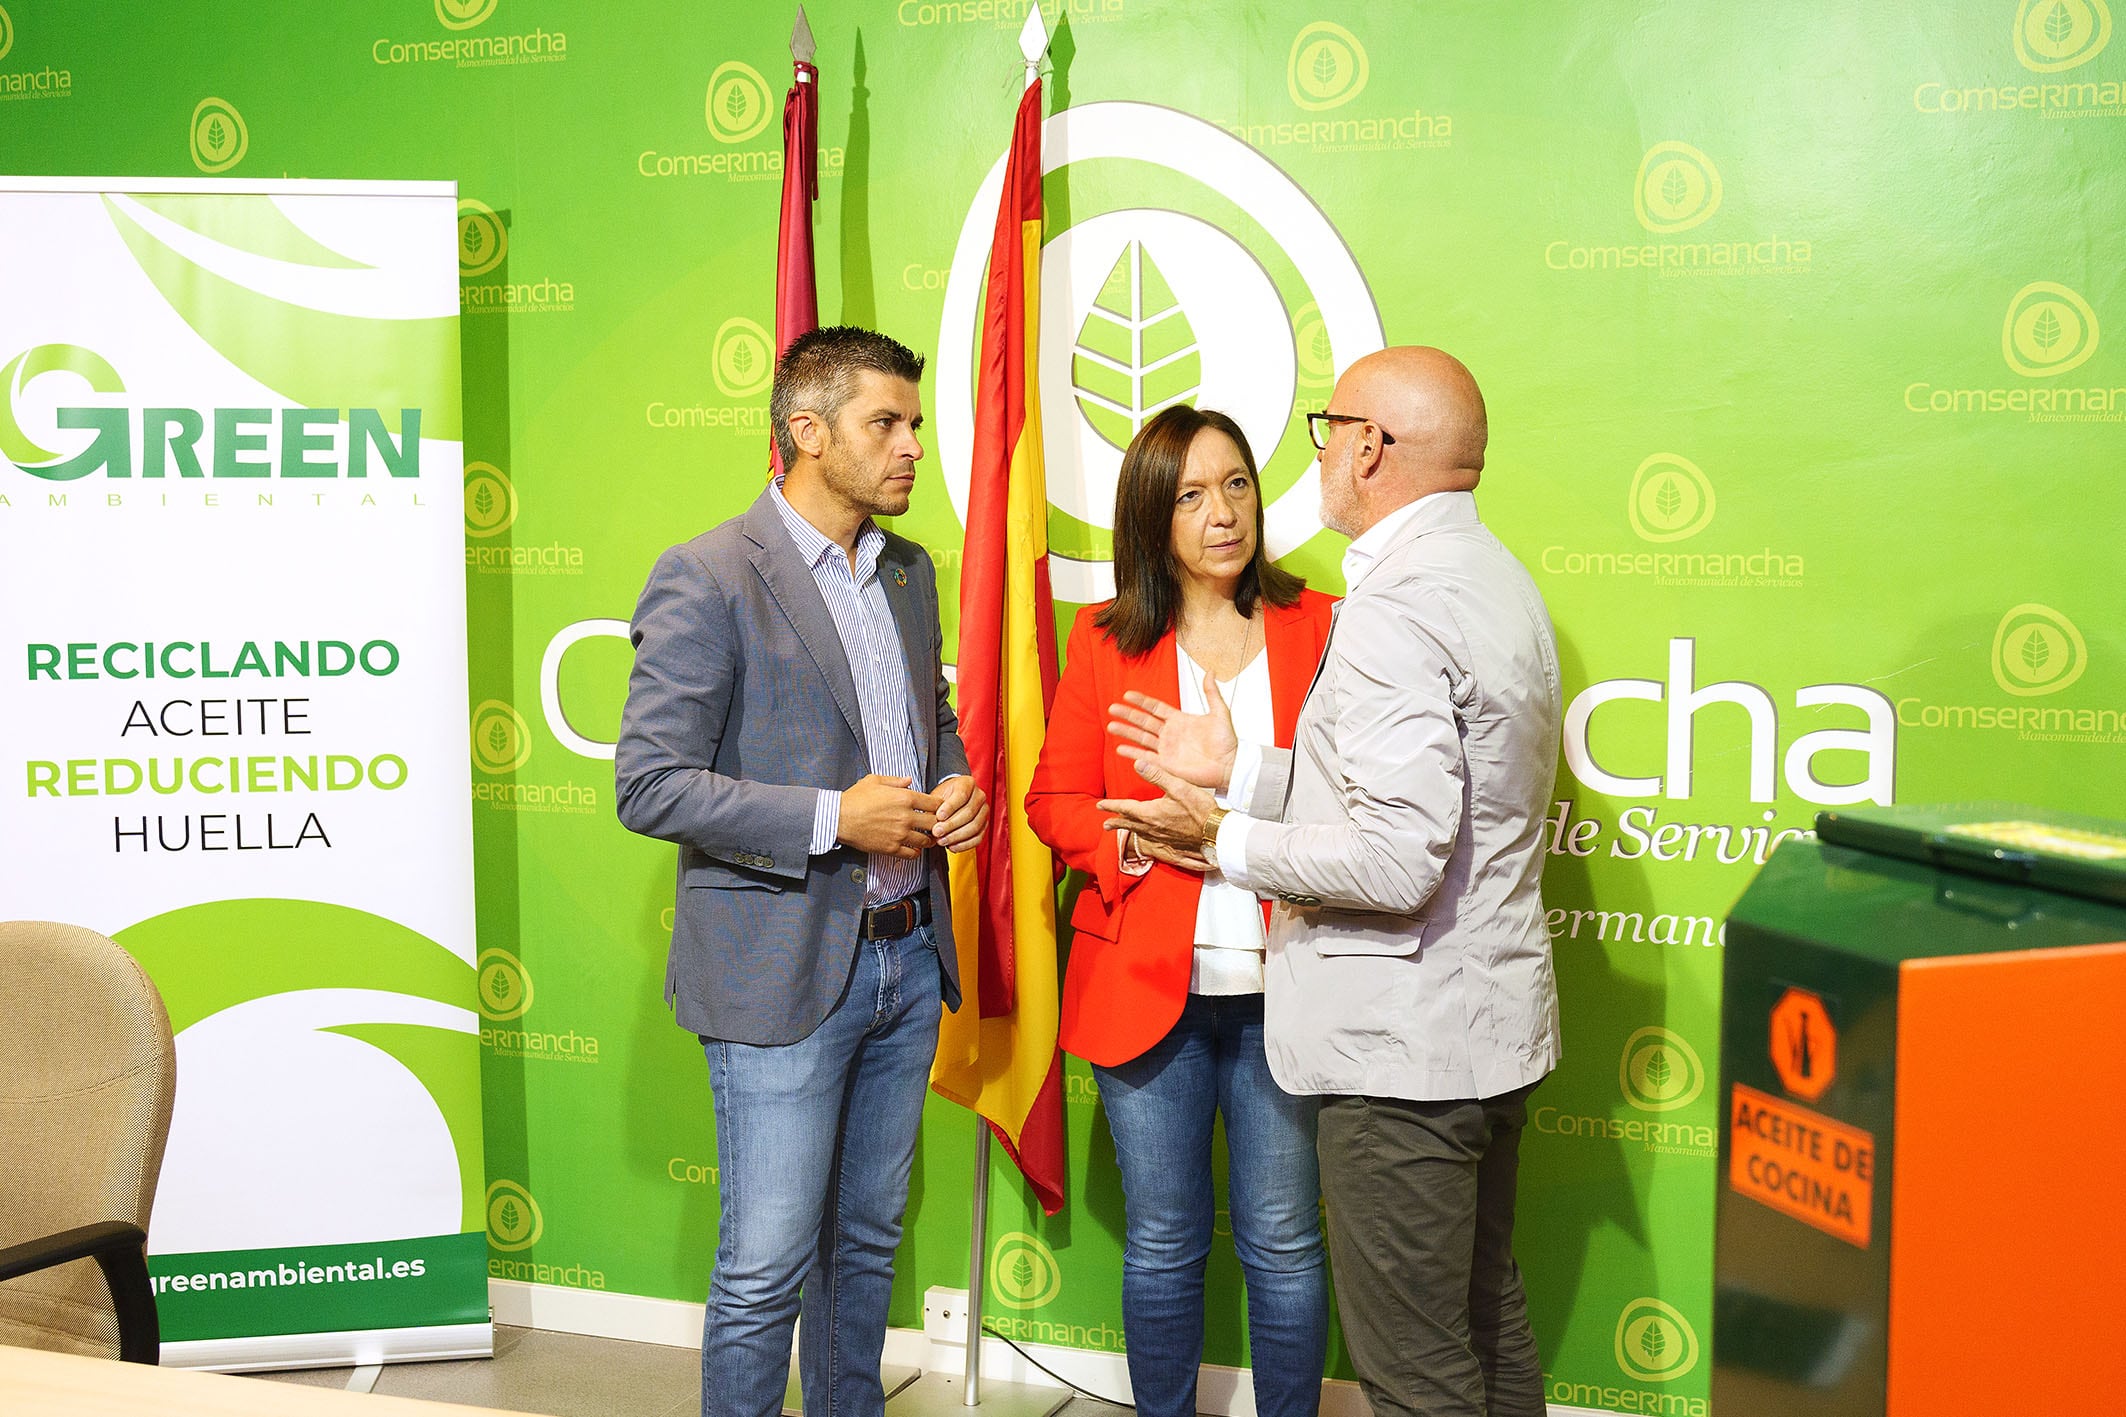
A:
[(1229, 932)]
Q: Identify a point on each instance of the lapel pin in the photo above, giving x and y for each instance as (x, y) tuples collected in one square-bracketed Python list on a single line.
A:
[(900, 577)]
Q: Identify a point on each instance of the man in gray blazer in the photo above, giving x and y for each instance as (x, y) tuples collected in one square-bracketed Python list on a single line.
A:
[(1408, 977), (787, 725)]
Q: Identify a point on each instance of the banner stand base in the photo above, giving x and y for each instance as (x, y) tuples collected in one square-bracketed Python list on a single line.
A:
[(355, 1348), (945, 1395)]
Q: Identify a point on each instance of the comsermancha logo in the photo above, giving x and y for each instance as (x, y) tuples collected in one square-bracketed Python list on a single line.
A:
[(513, 1218), (1023, 1273), (501, 739), (740, 359), (1677, 188), (218, 136), (1658, 1071), (1654, 1343), (463, 14), (1671, 498), (738, 103), (2037, 650), (2048, 330), (505, 986), (483, 240), (490, 500), (7, 32), (2051, 35), (1327, 67)]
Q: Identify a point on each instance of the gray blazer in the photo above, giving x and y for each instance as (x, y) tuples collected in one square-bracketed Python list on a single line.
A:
[(740, 709), (1407, 955)]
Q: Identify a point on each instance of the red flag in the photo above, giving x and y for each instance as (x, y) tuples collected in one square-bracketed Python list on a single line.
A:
[(998, 1054), (796, 291)]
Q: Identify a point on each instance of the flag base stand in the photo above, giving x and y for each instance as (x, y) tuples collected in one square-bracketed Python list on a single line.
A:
[(891, 1377), (943, 1394)]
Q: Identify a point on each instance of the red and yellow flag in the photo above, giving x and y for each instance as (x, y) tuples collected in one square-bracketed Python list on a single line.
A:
[(998, 1054)]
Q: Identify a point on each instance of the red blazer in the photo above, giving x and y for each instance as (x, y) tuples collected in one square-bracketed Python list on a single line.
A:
[(1135, 936)]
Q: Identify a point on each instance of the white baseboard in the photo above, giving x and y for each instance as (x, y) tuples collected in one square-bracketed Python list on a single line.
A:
[(1220, 1391), (353, 1349)]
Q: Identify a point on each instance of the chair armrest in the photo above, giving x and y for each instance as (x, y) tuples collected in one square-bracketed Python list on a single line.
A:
[(121, 1250)]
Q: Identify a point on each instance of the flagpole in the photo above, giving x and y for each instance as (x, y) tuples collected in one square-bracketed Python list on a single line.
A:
[(932, 1394), (978, 1229)]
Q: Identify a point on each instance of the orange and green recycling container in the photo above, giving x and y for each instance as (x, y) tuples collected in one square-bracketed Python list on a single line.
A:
[(1923, 1054)]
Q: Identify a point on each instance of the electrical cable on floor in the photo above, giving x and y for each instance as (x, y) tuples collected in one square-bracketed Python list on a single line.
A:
[(1082, 1392)]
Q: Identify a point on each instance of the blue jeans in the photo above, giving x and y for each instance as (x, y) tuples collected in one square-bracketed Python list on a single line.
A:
[(815, 1140), (1160, 1106)]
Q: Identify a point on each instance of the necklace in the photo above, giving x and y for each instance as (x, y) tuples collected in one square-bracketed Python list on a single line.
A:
[(1230, 688)]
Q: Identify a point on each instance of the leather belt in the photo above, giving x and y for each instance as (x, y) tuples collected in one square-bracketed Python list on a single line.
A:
[(895, 918)]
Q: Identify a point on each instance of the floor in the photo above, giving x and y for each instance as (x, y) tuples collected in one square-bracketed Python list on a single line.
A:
[(566, 1375)]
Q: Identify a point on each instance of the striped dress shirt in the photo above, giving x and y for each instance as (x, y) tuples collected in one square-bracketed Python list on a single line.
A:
[(863, 619)]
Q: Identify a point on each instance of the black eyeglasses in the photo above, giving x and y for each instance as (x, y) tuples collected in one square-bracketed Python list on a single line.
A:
[(1318, 427)]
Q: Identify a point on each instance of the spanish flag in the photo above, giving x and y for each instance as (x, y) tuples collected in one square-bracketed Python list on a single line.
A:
[(998, 1054)]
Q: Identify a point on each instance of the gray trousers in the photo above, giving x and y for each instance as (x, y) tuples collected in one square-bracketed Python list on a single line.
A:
[(1420, 1199)]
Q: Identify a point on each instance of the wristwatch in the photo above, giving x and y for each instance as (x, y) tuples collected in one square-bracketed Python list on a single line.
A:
[(1211, 824)]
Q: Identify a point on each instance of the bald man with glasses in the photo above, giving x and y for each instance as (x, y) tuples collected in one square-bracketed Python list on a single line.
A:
[(1408, 977)]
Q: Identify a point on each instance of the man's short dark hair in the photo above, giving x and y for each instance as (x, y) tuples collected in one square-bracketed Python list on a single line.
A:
[(817, 374)]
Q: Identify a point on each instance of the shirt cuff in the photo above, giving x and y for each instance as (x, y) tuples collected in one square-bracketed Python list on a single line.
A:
[(826, 821), (1247, 766), (1131, 861), (1233, 847)]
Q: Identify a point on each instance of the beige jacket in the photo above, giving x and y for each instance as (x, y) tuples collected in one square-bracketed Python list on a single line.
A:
[(1400, 835)]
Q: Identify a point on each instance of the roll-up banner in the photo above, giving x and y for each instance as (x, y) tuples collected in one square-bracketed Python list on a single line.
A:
[(233, 679)]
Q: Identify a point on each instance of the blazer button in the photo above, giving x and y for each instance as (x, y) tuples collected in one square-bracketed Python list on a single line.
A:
[(857, 875)]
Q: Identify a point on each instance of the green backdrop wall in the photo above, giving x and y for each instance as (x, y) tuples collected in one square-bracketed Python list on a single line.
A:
[(1792, 323)]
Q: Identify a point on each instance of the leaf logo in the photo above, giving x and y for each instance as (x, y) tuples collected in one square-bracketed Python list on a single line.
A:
[(21, 449), (1327, 67), (513, 1218), (1659, 1072), (1671, 498), (463, 14), (483, 238), (2037, 650), (490, 500), (1677, 188), (501, 739), (1310, 342), (740, 360), (2051, 35), (1022, 1272), (737, 106), (219, 138), (1654, 1343), (1135, 352), (7, 32), (505, 986), (2048, 330)]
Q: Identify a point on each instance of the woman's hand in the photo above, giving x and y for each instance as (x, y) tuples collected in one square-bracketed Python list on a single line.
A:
[(1186, 860)]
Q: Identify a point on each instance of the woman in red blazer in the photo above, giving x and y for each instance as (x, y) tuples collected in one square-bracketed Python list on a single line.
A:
[(1163, 993)]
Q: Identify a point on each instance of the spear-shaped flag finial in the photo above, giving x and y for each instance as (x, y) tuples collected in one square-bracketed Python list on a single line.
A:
[(1033, 39), (801, 46)]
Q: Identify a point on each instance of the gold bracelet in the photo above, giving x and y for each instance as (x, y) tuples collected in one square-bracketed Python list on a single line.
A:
[(1211, 824)]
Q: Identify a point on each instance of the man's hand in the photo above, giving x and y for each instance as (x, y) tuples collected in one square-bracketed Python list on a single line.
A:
[(963, 814), (885, 817), (1174, 822), (1196, 747)]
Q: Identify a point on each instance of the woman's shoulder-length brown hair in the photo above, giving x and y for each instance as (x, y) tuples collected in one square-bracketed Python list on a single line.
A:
[(1147, 601)]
